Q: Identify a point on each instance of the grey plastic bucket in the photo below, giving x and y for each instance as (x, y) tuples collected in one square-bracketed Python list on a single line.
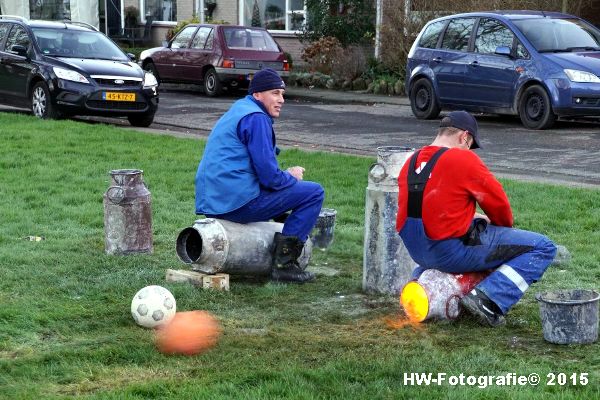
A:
[(569, 316), (322, 233)]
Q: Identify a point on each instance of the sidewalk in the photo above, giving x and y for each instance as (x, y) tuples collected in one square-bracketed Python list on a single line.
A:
[(361, 97)]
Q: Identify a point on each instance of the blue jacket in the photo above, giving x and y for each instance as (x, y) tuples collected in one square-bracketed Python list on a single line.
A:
[(238, 160)]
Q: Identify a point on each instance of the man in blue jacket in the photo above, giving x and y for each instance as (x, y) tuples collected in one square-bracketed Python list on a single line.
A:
[(239, 179)]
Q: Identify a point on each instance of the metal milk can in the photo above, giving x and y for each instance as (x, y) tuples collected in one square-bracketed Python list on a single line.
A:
[(216, 245), (387, 266), (437, 294), (127, 213)]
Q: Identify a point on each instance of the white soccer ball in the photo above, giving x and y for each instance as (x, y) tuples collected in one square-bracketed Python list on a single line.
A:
[(153, 306)]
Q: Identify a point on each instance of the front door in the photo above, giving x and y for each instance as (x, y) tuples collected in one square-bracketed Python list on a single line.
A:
[(490, 79), (16, 68), (197, 56), (171, 61), (4, 29)]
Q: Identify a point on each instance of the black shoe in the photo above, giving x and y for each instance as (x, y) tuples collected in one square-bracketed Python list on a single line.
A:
[(285, 260), (478, 304), (291, 274)]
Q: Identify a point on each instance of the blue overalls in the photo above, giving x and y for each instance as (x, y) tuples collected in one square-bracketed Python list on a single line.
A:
[(518, 258), (229, 187)]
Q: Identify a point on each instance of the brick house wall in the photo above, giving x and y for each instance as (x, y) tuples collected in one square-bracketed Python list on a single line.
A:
[(227, 10), (185, 9), (291, 45)]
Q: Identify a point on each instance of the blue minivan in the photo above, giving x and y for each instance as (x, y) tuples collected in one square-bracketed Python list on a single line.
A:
[(535, 64)]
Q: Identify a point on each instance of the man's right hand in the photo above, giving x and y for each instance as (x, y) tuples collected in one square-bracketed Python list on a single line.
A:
[(482, 216), (296, 172)]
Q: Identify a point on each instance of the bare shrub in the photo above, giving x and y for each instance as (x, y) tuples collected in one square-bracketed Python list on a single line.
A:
[(348, 63), (319, 55), (398, 32), (328, 57)]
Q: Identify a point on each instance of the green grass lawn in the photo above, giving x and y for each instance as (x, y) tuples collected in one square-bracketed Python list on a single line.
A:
[(66, 330)]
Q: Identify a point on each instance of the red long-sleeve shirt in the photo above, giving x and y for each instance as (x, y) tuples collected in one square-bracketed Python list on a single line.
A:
[(458, 182)]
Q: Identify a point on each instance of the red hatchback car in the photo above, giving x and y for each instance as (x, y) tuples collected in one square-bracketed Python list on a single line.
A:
[(216, 56)]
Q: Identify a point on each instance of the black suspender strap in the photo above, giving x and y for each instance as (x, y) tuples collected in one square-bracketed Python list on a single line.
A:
[(417, 182)]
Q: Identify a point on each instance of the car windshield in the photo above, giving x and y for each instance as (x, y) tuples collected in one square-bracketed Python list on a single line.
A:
[(249, 39), (559, 35), (77, 44)]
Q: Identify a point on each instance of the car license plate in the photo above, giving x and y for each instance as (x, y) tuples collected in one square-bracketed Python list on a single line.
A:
[(118, 96)]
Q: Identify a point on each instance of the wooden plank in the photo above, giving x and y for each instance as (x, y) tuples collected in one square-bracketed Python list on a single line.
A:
[(198, 279), (217, 281), (182, 275)]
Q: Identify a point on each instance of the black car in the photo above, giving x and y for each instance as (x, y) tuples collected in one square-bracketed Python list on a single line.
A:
[(66, 68)]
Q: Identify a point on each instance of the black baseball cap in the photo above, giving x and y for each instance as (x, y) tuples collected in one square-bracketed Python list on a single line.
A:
[(464, 121)]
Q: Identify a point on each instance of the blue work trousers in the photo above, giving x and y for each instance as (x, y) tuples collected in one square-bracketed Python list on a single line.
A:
[(304, 199), (518, 258)]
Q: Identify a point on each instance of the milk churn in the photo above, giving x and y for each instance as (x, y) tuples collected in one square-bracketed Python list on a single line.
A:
[(437, 294), (218, 246), (387, 266), (322, 233), (127, 213)]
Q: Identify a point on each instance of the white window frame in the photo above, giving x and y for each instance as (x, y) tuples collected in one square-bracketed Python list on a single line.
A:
[(61, 3), (288, 12), (142, 9)]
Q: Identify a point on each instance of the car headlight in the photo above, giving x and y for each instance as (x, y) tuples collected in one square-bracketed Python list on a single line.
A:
[(581, 76), (150, 80), (69, 75)]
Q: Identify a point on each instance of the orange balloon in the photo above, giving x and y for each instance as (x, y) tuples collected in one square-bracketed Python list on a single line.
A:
[(189, 333)]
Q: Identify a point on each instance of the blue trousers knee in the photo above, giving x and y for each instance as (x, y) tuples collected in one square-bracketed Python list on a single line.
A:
[(517, 257), (304, 199)]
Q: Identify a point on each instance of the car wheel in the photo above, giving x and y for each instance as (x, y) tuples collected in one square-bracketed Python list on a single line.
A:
[(141, 120), (535, 109), (150, 67), (423, 103), (212, 84), (41, 103)]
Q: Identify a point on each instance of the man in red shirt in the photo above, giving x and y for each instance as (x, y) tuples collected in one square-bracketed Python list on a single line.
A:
[(440, 187)]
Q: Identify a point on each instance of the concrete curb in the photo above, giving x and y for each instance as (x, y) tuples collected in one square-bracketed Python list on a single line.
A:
[(337, 96)]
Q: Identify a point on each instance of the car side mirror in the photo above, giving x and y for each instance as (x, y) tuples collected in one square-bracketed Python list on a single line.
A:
[(165, 43), (131, 56), (503, 51), (19, 50)]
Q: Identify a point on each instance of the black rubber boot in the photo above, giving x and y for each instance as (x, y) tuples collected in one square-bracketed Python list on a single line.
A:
[(285, 260)]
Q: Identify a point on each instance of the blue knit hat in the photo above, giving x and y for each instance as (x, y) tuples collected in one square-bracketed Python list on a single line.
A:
[(265, 79)]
